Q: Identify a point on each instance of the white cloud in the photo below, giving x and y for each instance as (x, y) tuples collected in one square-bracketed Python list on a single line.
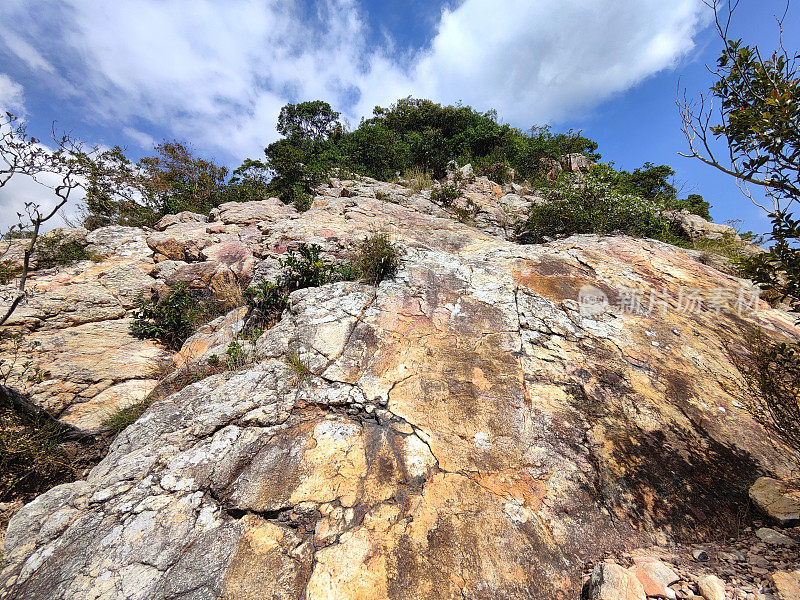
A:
[(12, 98), (142, 139), (25, 51), (217, 73), (21, 189), (542, 60)]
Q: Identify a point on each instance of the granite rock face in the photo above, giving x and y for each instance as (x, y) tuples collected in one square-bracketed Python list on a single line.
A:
[(481, 425), (76, 358)]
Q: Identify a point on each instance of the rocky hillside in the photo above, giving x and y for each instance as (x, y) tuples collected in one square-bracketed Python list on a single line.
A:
[(490, 422)]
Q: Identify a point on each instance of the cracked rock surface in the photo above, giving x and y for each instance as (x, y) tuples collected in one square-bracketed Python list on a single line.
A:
[(466, 431)]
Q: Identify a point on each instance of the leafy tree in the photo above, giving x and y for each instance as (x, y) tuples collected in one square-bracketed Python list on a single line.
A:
[(758, 112), (303, 159), (649, 181), (377, 151), (530, 152), (297, 166), (114, 193), (249, 181), (314, 120), (175, 180)]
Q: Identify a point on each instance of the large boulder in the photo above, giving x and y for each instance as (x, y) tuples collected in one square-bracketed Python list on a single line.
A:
[(698, 229), (777, 499)]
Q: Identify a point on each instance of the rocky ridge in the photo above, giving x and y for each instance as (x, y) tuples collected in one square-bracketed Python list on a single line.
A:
[(469, 429)]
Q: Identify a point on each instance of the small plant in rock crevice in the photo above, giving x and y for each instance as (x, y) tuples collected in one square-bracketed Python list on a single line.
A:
[(299, 365), (266, 302), (171, 319), (236, 356), (417, 179), (124, 417), (466, 214), (377, 258), (445, 195)]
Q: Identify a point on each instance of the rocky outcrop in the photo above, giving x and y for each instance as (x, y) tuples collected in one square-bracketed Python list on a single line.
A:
[(777, 500), (482, 425), (697, 229), (76, 358)]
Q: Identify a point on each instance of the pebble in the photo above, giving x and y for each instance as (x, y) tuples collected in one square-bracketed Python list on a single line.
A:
[(700, 555)]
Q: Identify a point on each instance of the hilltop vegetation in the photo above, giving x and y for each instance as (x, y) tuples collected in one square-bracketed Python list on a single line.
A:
[(413, 140)]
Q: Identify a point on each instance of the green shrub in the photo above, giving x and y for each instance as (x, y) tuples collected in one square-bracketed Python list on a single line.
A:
[(53, 251), (302, 268), (7, 272), (588, 203), (377, 258), (171, 319), (494, 171), (445, 195), (728, 246), (266, 302), (305, 268)]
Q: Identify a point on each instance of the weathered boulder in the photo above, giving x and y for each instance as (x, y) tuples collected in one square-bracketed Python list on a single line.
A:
[(575, 162), (470, 428), (711, 587), (655, 577), (181, 241), (786, 584), (697, 229), (75, 356), (249, 213), (770, 536), (611, 582), (212, 338), (182, 217), (777, 499)]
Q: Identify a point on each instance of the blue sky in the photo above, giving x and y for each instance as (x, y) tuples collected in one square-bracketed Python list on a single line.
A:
[(215, 74)]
